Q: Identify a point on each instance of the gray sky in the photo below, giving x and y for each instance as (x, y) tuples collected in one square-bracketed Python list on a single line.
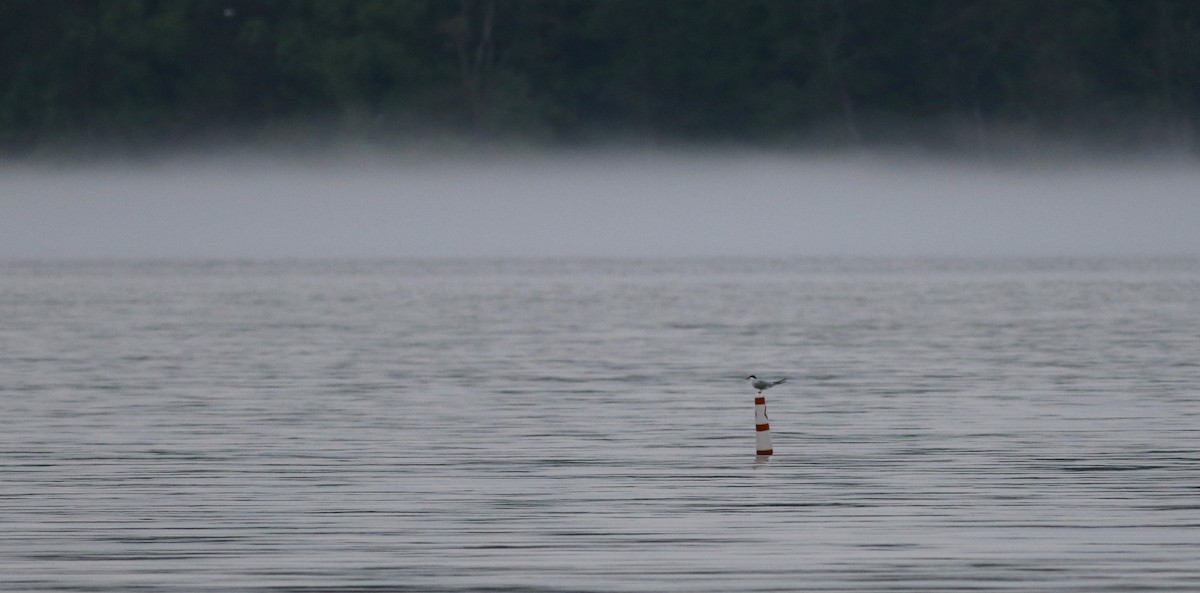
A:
[(644, 204)]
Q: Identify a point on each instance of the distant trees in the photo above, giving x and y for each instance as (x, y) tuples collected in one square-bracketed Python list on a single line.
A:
[(942, 73)]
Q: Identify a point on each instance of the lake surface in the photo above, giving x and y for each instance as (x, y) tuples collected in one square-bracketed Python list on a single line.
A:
[(583, 425)]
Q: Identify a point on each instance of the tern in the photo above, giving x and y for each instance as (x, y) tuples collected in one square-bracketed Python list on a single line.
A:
[(760, 385)]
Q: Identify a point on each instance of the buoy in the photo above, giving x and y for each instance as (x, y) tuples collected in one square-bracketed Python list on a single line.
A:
[(762, 427)]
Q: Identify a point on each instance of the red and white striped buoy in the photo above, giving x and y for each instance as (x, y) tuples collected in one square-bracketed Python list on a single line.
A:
[(762, 428)]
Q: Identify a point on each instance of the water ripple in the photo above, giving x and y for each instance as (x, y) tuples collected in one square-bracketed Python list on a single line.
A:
[(547, 426)]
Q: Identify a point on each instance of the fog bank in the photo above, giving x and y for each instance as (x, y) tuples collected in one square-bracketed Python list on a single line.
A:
[(643, 204)]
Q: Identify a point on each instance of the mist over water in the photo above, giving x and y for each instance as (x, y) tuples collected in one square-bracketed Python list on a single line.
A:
[(639, 204), (523, 374)]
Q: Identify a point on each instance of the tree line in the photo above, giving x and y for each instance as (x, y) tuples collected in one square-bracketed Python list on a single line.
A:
[(948, 74)]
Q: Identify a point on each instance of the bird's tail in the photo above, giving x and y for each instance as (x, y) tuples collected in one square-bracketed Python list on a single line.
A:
[(783, 380)]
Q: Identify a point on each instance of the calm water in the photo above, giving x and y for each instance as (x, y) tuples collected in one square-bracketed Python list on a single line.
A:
[(1003, 425)]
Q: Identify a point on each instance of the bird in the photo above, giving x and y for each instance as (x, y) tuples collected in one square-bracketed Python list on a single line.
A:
[(760, 385)]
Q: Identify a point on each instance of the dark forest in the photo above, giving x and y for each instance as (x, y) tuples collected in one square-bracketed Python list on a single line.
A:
[(946, 75)]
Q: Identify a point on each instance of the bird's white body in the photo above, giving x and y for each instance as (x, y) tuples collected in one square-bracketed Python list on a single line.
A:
[(761, 385)]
